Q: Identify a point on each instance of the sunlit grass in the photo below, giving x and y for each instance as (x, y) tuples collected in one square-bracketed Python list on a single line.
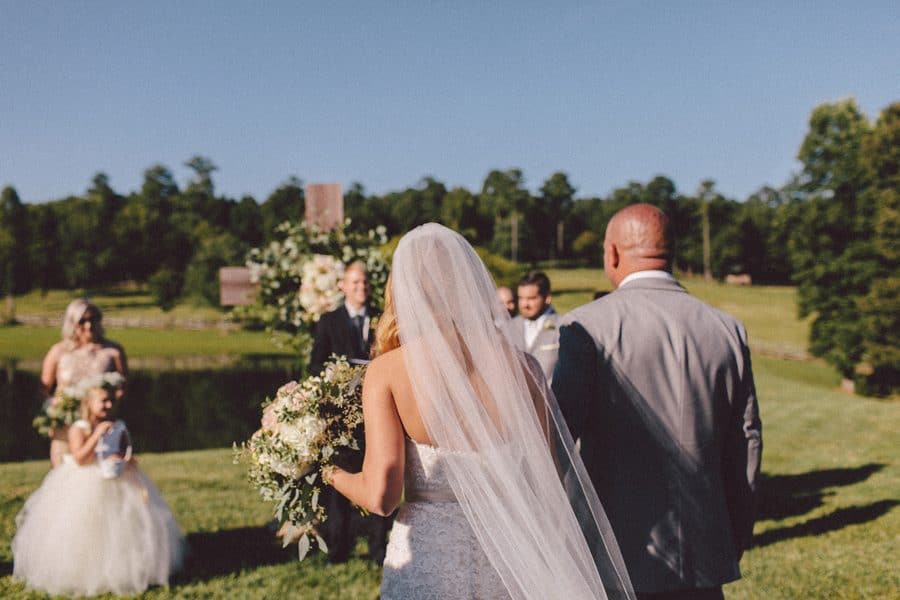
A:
[(234, 553), (829, 522), (126, 302), (25, 342)]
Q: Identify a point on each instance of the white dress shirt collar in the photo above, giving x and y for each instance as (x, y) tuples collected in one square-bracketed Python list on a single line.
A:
[(651, 274), (360, 312)]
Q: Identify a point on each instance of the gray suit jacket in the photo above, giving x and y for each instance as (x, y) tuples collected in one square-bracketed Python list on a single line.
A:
[(545, 347), (658, 387)]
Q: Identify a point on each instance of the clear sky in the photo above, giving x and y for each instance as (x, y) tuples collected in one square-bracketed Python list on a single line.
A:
[(385, 93)]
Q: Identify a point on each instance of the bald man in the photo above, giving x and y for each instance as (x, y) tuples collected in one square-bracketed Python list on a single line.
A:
[(506, 298), (658, 388)]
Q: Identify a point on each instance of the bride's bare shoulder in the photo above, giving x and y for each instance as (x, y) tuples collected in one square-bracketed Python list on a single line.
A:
[(387, 365)]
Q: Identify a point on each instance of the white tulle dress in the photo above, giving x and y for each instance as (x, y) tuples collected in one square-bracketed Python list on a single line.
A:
[(82, 534)]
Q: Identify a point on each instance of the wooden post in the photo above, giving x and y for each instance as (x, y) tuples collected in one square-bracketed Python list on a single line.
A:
[(324, 205), (324, 208), (235, 287)]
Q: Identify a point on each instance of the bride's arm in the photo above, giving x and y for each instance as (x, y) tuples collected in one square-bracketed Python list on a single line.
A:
[(379, 486)]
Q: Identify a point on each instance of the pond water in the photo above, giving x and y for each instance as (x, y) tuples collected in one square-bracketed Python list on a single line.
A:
[(188, 405)]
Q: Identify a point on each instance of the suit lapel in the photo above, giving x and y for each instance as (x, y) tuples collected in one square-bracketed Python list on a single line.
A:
[(546, 334)]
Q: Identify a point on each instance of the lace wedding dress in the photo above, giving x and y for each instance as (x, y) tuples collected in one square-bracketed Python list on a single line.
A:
[(433, 552), (500, 506)]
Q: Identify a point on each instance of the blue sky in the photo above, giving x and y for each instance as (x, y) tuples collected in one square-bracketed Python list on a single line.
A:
[(386, 93)]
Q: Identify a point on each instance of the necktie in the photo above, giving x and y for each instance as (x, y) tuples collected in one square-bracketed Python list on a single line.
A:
[(358, 321)]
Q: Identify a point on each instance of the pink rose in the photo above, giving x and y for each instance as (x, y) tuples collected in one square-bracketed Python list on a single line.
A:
[(269, 420), (287, 388)]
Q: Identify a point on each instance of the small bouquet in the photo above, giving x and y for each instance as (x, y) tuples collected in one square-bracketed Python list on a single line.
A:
[(64, 407), (304, 428)]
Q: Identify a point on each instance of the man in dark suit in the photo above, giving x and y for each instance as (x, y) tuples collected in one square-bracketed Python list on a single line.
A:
[(658, 388), (348, 331)]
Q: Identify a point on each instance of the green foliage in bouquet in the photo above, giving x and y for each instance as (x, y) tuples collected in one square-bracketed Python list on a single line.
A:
[(298, 275), (60, 410), (64, 407), (307, 426)]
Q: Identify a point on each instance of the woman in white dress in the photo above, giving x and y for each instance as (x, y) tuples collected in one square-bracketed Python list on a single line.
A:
[(83, 352), (497, 503), (89, 530)]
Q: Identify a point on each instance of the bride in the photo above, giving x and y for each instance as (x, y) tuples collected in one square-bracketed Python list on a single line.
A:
[(497, 502)]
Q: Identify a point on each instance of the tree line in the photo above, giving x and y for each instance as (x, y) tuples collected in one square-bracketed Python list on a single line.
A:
[(832, 230)]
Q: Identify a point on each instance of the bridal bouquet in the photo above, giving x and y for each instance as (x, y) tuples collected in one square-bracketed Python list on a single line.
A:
[(64, 407), (304, 428)]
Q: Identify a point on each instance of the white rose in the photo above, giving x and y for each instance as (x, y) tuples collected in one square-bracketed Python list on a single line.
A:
[(292, 436), (325, 282)]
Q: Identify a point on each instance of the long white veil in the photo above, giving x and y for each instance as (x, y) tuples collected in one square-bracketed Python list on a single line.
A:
[(509, 456)]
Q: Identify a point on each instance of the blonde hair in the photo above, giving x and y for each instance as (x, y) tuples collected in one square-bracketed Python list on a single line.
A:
[(88, 394), (387, 334), (74, 312)]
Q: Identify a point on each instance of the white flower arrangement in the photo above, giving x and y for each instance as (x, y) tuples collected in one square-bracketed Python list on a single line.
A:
[(319, 292), (303, 429), (298, 277)]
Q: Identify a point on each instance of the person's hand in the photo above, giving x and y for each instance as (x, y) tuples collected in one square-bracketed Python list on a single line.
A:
[(328, 473), (103, 427)]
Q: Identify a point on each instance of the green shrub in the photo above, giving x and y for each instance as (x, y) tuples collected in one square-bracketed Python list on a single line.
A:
[(165, 287)]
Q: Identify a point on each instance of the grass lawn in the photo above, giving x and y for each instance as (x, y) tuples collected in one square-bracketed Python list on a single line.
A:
[(829, 522), (768, 312), (119, 303), (33, 342)]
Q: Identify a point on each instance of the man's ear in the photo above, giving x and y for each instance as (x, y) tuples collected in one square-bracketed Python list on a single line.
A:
[(548, 300), (613, 256)]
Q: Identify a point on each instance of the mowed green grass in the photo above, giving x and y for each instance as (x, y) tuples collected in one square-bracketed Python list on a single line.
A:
[(768, 312), (119, 303), (233, 553), (24, 342), (829, 522)]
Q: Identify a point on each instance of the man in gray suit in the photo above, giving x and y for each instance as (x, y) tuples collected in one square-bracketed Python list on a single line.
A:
[(535, 328), (658, 388)]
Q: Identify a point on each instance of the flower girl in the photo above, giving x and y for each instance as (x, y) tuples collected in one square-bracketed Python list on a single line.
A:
[(97, 523)]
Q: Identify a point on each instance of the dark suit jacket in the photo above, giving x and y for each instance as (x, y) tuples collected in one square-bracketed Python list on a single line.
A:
[(659, 389), (336, 334)]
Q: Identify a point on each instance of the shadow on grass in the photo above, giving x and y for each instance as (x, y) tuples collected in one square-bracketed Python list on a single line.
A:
[(213, 554), (840, 518), (5, 568), (783, 496)]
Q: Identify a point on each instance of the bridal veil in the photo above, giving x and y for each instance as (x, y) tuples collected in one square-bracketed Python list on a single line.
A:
[(509, 456)]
